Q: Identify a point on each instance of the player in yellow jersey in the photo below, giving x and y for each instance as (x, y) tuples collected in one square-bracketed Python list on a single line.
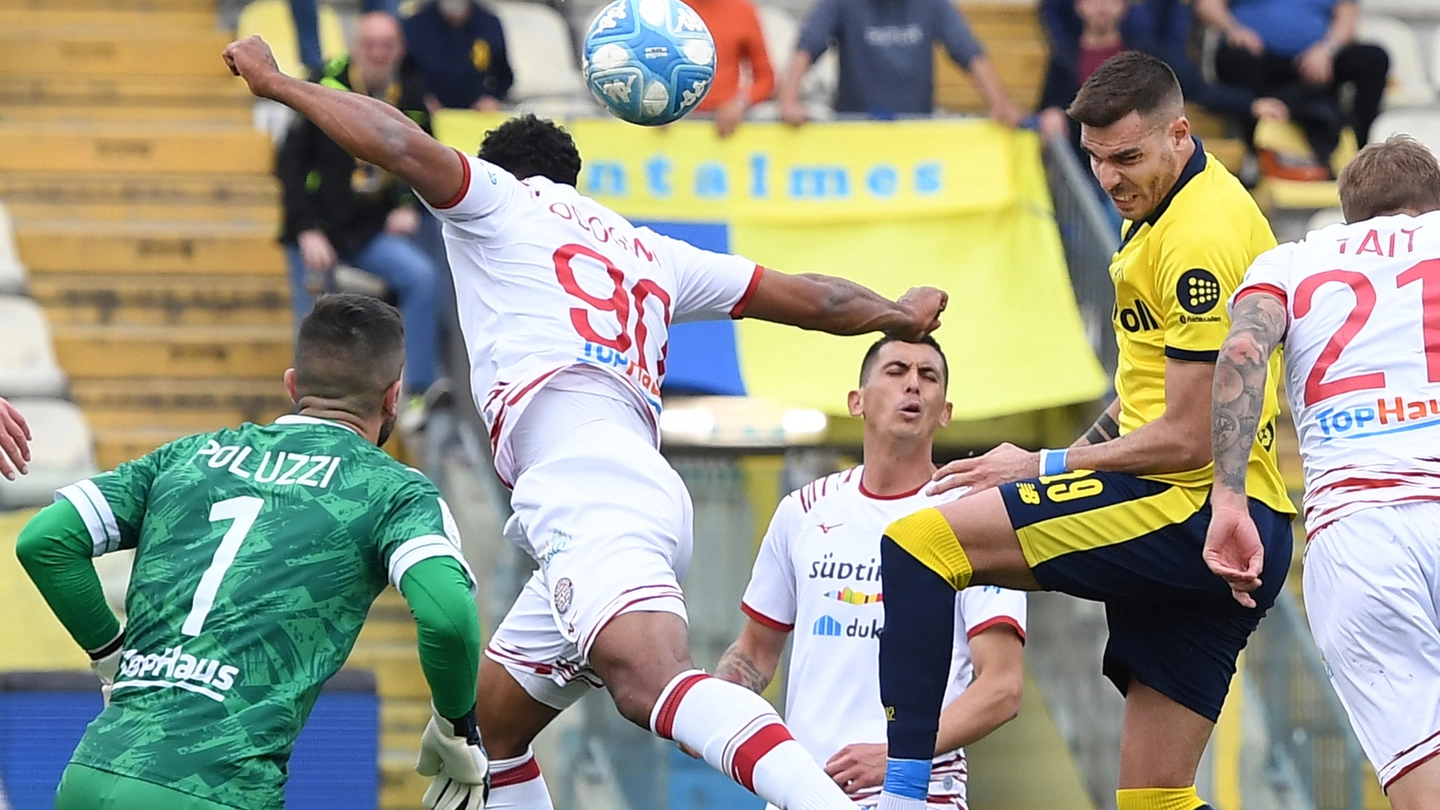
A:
[(1130, 533)]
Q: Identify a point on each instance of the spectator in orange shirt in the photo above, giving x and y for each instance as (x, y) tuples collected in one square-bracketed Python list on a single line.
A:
[(736, 28)]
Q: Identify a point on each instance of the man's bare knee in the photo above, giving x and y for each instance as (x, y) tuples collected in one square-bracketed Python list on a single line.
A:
[(508, 717), (637, 655)]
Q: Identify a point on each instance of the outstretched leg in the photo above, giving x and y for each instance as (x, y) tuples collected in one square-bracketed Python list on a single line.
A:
[(644, 660), (925, 559)]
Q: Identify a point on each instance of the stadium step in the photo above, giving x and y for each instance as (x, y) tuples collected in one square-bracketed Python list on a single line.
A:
[(98, 50), (197, 403), (122, 114), (114, 446), (98, 298), (78, 246), (139, 191), (195, 19), (261, 216), (1021, 65), (181, 353), (205, 91), (115, 148), (112, 5), (387, 647)]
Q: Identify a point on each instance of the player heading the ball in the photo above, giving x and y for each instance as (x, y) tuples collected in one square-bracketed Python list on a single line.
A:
[(566, 309), (259, 551)]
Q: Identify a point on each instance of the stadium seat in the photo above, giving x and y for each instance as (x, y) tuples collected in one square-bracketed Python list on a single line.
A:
[(271, 19), (27, 356), (1324, 218), (1421, 10), (1424, 125), (541, 54), (1408, 85), (12, 271), (61, 453)]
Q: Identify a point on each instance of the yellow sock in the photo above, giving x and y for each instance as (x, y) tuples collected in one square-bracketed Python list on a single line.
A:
[(928, 537), (1158, 799)]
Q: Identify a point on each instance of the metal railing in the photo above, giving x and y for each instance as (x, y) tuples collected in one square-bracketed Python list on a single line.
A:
[(1090, 240), (1311, 744)]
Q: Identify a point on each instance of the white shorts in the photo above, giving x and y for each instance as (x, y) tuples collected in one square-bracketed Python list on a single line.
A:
[(607, 519), (1372, 581)]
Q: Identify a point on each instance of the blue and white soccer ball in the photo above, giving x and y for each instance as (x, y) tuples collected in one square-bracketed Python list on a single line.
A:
[(649, 61)]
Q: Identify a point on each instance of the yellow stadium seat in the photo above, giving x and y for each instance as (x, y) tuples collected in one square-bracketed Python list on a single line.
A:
[(271, 20)]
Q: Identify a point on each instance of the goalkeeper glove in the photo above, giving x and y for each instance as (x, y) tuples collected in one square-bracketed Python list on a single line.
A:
[(106, 664), (450, 751)]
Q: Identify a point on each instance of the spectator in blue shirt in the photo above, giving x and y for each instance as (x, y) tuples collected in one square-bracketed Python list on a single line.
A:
[(1301, 52), (887, 58), (459, 48)]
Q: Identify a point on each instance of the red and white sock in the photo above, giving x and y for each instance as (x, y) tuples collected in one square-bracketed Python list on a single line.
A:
[(516, 784), (741, 736)]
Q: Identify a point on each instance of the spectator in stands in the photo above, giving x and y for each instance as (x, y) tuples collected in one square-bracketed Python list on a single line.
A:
[(459, 48), (887, 58), (1070, 66), (1301, 52), (1161, 28), (339, 209), (735, 25), (307, 27)]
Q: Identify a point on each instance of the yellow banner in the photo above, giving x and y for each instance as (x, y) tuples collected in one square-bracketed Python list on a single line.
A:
[(769, 171), (957, 204)]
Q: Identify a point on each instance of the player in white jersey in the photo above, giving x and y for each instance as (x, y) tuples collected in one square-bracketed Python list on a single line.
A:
[(566, 307), (818, 576), (1357, 307)]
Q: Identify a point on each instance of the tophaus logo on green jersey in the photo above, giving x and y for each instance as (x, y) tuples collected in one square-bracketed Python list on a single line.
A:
[(176, 668)]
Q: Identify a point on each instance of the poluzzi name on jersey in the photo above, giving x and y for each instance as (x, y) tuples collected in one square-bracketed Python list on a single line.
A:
[(177, 665), (298, 468)]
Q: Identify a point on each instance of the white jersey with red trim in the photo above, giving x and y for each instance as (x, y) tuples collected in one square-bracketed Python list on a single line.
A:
[(1362, 360), (546, 278), (818, 575)]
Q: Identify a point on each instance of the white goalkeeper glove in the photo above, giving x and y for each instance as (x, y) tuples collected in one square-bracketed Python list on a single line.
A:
[(450, 751), (106, 664)]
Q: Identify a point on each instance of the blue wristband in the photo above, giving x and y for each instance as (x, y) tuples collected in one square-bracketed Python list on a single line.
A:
[(1053, 462)]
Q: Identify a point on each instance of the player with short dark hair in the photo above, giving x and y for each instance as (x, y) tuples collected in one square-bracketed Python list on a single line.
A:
[(816, 583), (1372, 479), (1120, 516), (259, 551), (566, 308)]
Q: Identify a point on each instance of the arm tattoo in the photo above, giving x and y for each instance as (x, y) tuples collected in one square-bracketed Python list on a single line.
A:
[(1103, 430), (1256, 328), (736, 667)]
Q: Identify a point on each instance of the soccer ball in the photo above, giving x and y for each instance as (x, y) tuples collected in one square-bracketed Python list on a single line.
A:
[(648, 61)]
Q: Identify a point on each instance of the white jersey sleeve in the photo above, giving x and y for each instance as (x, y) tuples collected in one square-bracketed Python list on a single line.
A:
[(710, 285), (1269, 273), (770, 597), (480, 206), (985, 606)]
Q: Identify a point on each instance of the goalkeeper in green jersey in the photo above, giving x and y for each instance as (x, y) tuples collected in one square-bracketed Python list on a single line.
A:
[(259, 551)]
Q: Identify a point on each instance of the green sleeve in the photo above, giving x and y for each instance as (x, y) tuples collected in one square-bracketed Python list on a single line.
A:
[(55, 548), (448, 630)]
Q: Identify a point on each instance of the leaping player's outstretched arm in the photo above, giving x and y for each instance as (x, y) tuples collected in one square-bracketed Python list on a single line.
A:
[(841, 307), (367, 128)]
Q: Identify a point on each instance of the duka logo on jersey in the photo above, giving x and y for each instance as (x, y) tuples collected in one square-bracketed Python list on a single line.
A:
[(175, 668)]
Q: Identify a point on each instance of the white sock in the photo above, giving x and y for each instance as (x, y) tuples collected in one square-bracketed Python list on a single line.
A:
[(516, 784), (889, 801), (741, 736)]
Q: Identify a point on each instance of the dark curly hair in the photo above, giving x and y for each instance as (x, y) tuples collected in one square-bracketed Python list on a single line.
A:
[(527, 146)]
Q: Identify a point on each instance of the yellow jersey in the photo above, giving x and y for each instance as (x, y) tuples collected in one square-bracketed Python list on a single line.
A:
[(1173, 274)]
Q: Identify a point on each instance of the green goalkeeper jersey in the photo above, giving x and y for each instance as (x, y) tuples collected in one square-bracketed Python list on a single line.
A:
[(259, 551)]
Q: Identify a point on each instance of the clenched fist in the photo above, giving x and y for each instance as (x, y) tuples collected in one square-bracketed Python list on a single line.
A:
[(251, 60), (924, 305)]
